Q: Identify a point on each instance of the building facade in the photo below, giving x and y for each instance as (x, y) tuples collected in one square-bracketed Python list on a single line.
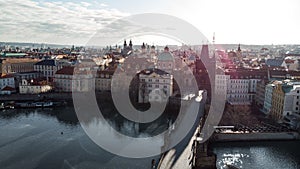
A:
[(7, 80), (26, 75), (67, 80), (34, 87), (48, 67), (260, 93), (16, 65), (285, 100), (103, 80), (268, 98), (154, 85), (240, 86)]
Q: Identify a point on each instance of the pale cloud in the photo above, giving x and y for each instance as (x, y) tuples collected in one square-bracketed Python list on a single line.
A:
[(103, 5), (53, 22)]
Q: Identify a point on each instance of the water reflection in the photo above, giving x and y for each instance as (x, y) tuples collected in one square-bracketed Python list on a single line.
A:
[(64, 115), (232, 160), (253, 155), (53, 138)]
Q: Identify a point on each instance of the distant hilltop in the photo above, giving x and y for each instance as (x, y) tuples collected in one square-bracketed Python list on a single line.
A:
[(218, 46), (35, 45)]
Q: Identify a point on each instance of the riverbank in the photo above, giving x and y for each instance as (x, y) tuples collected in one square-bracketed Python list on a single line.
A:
[(47, 96), (226, 137), (36, 97)]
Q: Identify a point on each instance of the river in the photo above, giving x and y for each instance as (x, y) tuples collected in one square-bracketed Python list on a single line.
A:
[(53, 139), (258, 155)]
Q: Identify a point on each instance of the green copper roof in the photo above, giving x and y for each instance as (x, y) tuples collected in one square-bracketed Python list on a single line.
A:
[(287, 88), (165, 56), (13, 54)]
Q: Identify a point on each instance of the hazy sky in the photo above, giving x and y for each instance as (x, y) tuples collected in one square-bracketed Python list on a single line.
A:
[(75, 22)]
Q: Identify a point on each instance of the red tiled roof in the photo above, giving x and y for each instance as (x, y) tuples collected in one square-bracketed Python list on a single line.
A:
[(110, 72), (289, 61), (66, 71), (8, 88), (6, 76)]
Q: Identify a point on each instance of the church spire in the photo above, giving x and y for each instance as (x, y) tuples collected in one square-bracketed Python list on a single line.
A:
[(125, 44), (130, 44), (204, 55), (166, 49)]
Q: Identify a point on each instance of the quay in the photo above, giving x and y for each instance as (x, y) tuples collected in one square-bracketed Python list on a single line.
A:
[(223, 137), (66, 96), (36, 97), (257, 133)]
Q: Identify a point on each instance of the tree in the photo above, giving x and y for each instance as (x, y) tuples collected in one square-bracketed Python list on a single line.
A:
[(240, 114)]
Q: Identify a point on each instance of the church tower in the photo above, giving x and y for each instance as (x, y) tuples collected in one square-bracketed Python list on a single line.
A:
[(125, 44), (143, 48), (239, 53), (205, 70), (130, 44)]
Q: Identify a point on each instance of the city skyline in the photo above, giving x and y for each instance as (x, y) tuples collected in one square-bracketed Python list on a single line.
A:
[(66, 22)]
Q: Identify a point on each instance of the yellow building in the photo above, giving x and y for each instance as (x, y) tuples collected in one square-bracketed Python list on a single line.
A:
[(285, 100), (16, 65), (277, 102)]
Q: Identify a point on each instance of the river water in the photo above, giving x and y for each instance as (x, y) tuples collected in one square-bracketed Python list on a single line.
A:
[(53, 139), (259, 155)]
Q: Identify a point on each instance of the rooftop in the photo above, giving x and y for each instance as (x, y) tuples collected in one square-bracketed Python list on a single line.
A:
[(150, 71), (165, 56), (8, 88), (66, 71), (47, 62), (6, 76), (18, 60), (274, 62), (12, 54)]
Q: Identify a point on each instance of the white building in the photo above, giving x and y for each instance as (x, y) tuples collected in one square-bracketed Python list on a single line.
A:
[(239, 86), (33, 87), (65, 80), (103, 80), (7, 84), (221, 84), (48, 67), (268, 97), (7, 80), (155, 85), (27, 76), (292, 98)]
